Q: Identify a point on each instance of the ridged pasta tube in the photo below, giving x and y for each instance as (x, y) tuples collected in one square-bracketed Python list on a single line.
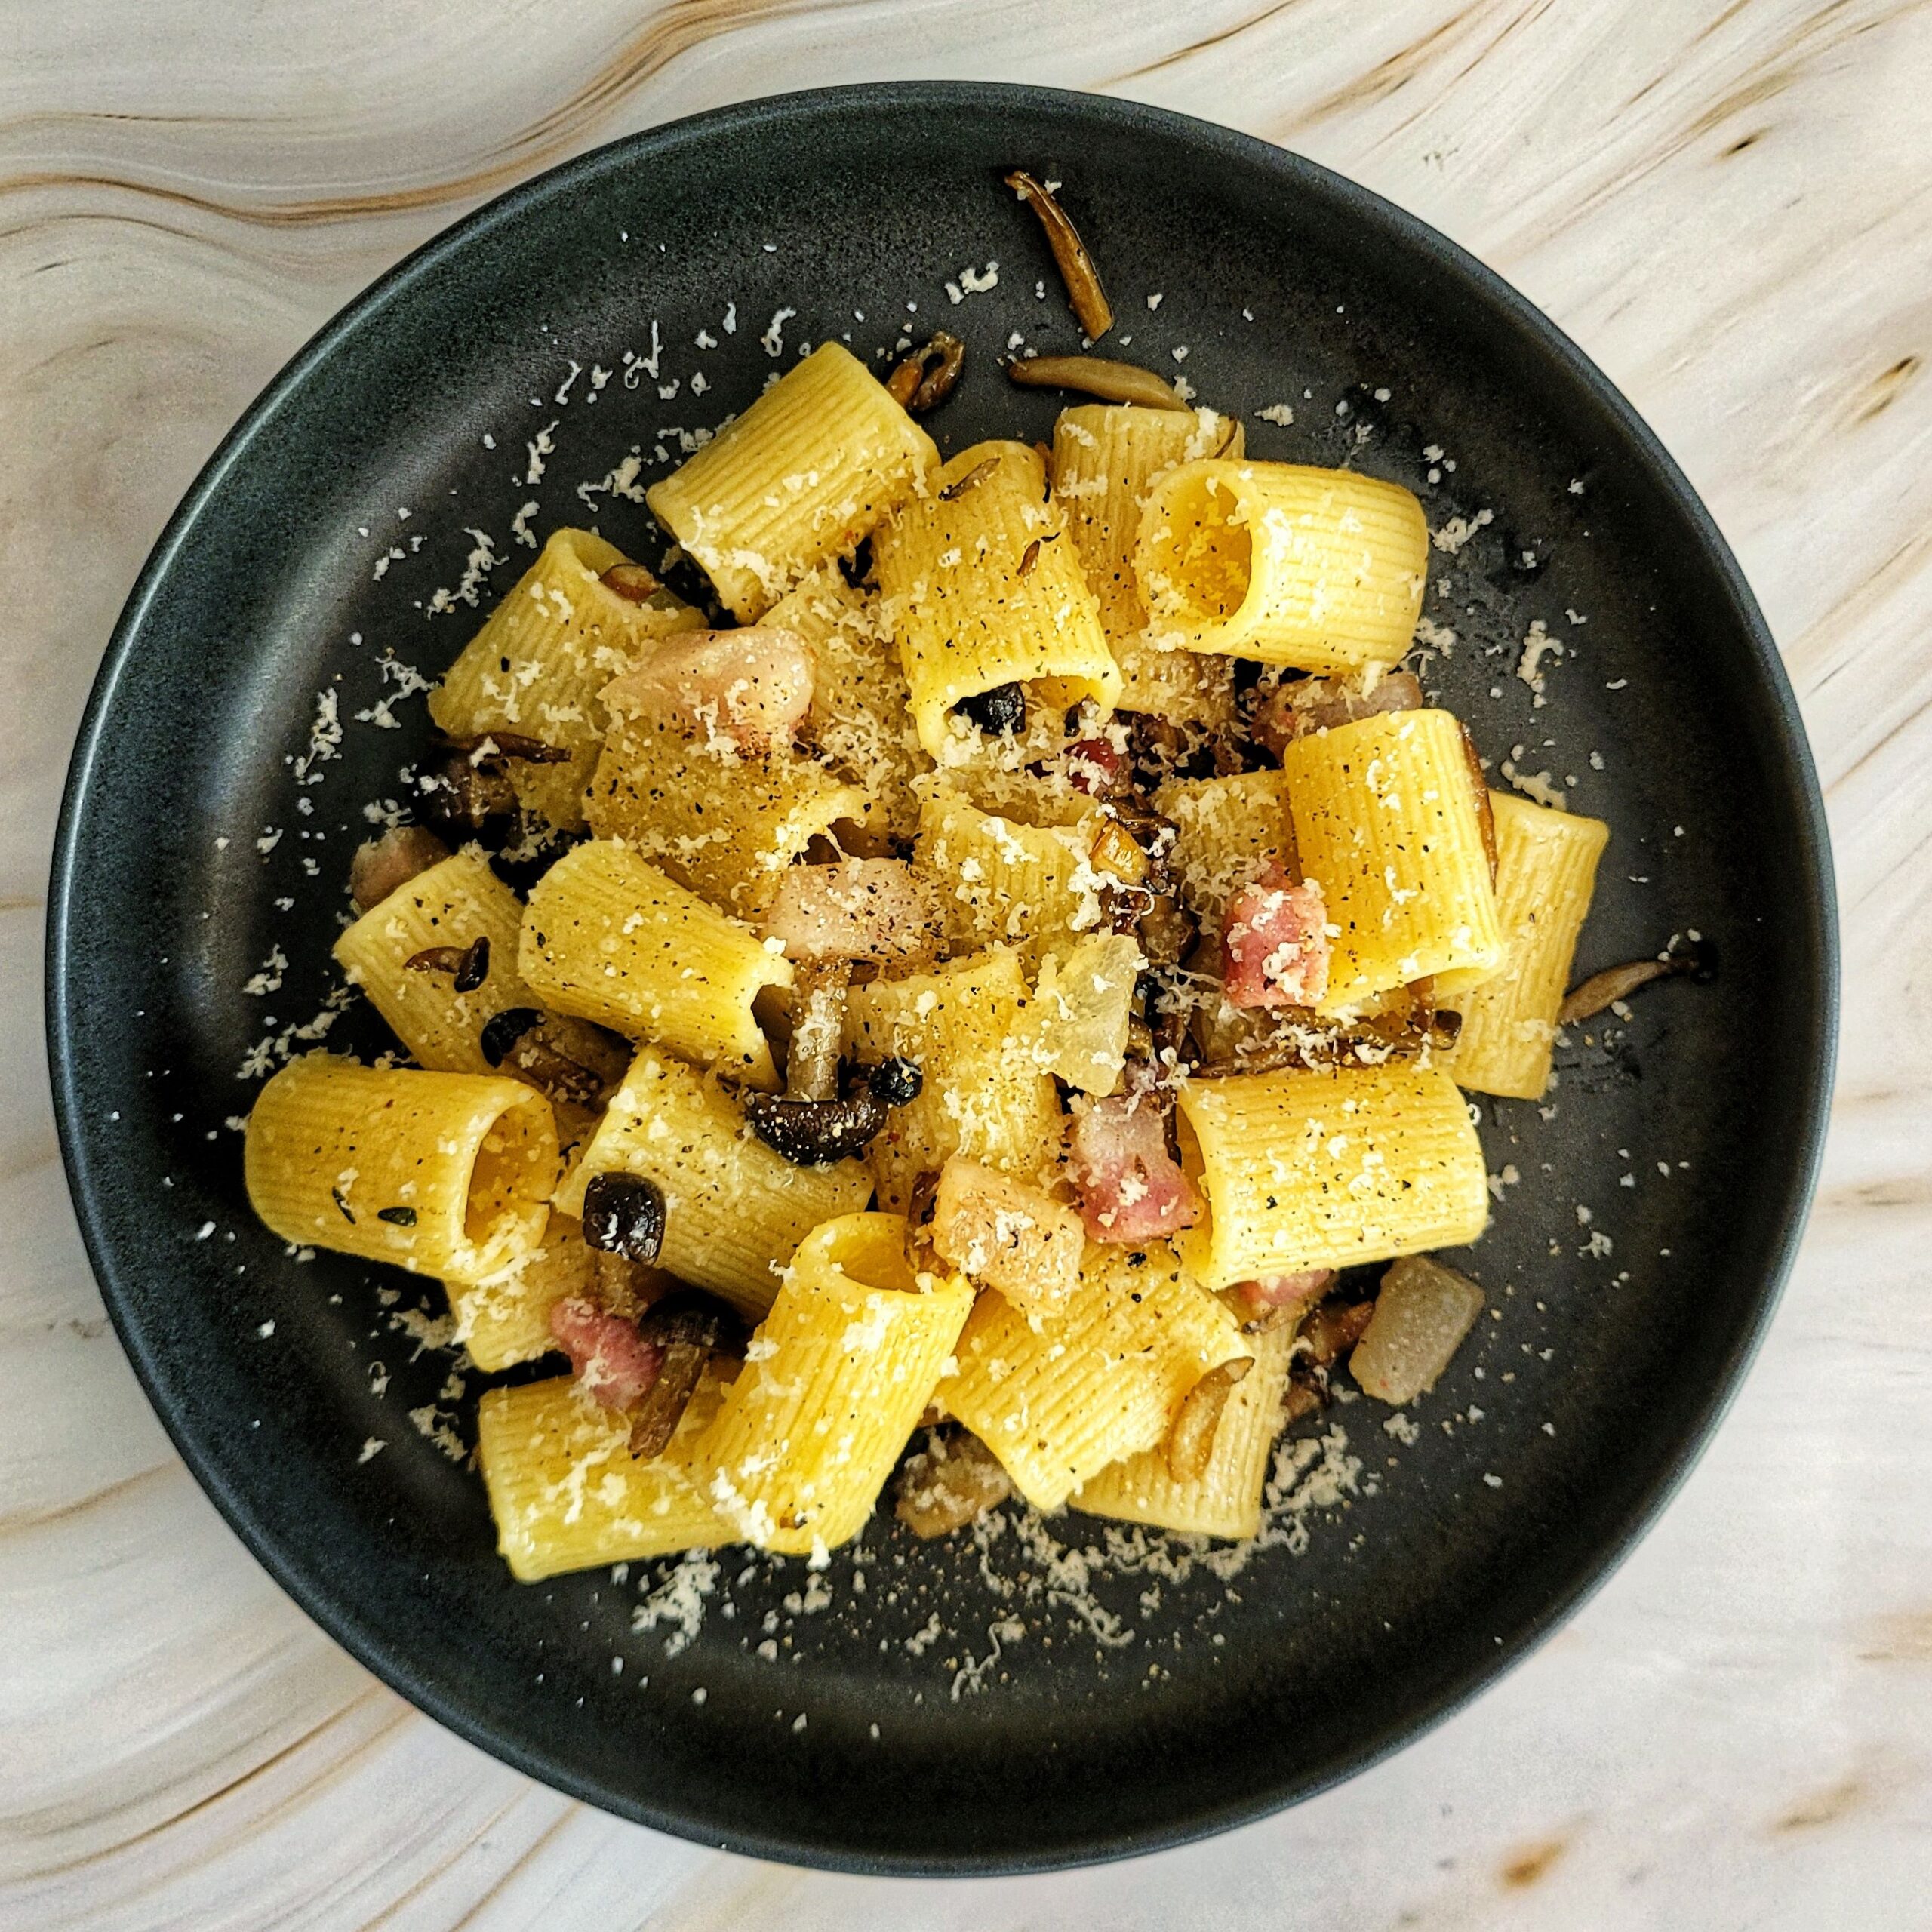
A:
[(1546, 872), (455, 902), (981, 588), (1106, 457), (834, 1382), (1327, 1167), (505, 1318), (442, 1173), (1321, 569), (801, 478), (725, 824), (968, 1027), (536, 666), (1058, 1397), (608, 938), (567, 1494), (1386, 823), (1224, 1499), (1229, 832), (861, 716)]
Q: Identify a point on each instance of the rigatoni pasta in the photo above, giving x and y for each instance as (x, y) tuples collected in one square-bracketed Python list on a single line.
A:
[(1105, 457), (442, 1173), (1224, 1499), (504, 1318), (725, 824), (1056, 1397), (567, 1493), (861, 718), (983, 1095), (610, 939), (839, 1375), (1320, 569), (1229, 832), (804, 474), (454, 903), (982, 589), (1385, 815), (1545, 870), (1328, 1167), (535, 667), (1005, 883)]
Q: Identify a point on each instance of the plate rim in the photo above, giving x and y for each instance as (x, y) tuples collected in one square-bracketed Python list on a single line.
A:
[(1785, 744)]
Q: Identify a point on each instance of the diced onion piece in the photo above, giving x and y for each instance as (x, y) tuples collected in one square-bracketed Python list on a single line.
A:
[(1011, 1237), (1421, 1315)]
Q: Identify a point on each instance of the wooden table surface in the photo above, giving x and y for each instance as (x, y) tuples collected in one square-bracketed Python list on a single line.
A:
[(1729, 204)]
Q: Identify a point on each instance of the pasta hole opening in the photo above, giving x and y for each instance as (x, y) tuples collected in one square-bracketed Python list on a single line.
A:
[(1203, 556), (868, 1250), (515, 1169)]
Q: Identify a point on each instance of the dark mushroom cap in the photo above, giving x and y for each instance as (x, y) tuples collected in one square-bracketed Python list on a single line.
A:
[(815, 1134), (624, 1214)]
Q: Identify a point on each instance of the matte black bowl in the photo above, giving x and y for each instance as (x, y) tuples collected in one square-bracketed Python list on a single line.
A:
[(1286, 286)]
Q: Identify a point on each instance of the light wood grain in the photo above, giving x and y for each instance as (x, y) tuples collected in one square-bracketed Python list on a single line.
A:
[(1729, 205)]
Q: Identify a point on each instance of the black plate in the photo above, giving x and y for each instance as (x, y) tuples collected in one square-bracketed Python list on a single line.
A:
[(1465, 1549)]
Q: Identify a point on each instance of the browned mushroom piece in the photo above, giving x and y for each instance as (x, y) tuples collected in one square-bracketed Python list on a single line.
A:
[(1190, 1438), (517, 747), (468, 966), (1334, 1329), (565, 1060), (815, 1134), (1084, 295), (687, 1327), (818, 1030), (632, 582), (925, 379), (1698, 964), (1301, 1398), (1097, 376), (1479, 785), (952, 1482), (386, 865), (1168, 931), (629, 1287), (976, 475), (466, 797)]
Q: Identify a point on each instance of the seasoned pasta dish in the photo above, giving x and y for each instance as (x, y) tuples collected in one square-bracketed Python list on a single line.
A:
[(999, 948)]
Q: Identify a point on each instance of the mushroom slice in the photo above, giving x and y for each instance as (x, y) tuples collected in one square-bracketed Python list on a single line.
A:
[(916, 388), (1191, 1439), (688, 1327), (1097, 376), (623, 1214), (1084, 295), (1334, 1328), (818, 1030), (1615, 982)]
